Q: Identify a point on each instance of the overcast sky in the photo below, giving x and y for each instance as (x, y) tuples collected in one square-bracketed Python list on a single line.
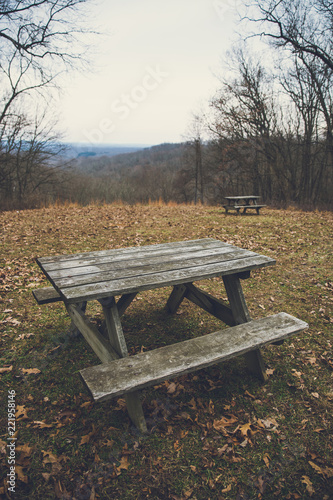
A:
[(151, 72)]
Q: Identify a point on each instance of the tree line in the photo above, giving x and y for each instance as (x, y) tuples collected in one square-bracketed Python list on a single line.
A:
[(268, 130)]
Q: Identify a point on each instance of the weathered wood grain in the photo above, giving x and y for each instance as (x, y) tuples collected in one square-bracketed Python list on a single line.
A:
[(156, 280), (212, 305), (97, 342), (118, 343), (128, 270), (46, 295), (126, 253), (149, 368), (176, 297), (241, 315), (106, 264), (248, 197)]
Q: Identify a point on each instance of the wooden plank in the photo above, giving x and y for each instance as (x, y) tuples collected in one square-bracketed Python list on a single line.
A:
[(241, 315), (149, 368), (46, 295), (176, 297), (115, 331), (129, 252), (151, 281), (97, 342), (150, 268), (212, 305), (250, 197), (147, 261), (249, 206), (118, 343), (124, 302)]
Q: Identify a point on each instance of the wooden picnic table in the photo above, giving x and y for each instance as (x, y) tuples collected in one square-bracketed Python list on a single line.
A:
[(124, 272), (245, 202)]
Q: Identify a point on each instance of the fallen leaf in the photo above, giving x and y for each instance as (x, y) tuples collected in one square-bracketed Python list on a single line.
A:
[(49, 458), (6, 369), (261, 484), (172, 388), (266, 459), (30, 371), (20, 474), (123, 463), (85, 439), (224, 422), (324, 471), (86, 404), (228, 488), (250, 395), (41, 424), (245, 429), (21, 412), (307, 482)]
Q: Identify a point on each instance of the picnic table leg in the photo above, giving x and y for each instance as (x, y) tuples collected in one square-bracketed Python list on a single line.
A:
[(73, 329), (176, 298), (241, 315), (117, 341)]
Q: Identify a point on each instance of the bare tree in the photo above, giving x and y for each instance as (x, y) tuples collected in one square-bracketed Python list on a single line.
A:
[(38, 41), (304, 26)]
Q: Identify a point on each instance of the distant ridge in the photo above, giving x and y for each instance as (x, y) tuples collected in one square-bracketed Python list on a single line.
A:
[(133, 159), (80, 149)]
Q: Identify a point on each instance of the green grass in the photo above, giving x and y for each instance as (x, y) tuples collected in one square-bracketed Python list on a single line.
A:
[(279, 442)]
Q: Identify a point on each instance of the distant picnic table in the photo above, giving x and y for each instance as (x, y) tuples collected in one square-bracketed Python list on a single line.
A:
[(244, 201)]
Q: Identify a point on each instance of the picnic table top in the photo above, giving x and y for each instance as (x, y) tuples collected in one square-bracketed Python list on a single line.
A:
[(106, 273), (245, 197)]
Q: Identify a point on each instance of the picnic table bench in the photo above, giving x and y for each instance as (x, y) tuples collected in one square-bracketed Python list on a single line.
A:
[(125, 272), (244, 202)]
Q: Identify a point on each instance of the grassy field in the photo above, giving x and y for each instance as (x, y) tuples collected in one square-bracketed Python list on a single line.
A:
[(215, 434)]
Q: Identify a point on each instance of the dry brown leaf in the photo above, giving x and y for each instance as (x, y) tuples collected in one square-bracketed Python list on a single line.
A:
[(324, 471), (309, 488), (123, 463), (188, 493), (25, 453), (5, 369), (41, 424), (172, 388), (250, 395), (20, 474), (85, 439), (224, 422), (92, 494), (86, 404), (228, 488), (30, 371), (245, 429), (49, 458), (21, 412)]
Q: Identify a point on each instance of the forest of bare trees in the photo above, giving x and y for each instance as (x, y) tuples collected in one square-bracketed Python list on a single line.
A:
[(268, 130)]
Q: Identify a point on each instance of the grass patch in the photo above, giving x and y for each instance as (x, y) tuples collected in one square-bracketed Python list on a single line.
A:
[(217, 433)]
